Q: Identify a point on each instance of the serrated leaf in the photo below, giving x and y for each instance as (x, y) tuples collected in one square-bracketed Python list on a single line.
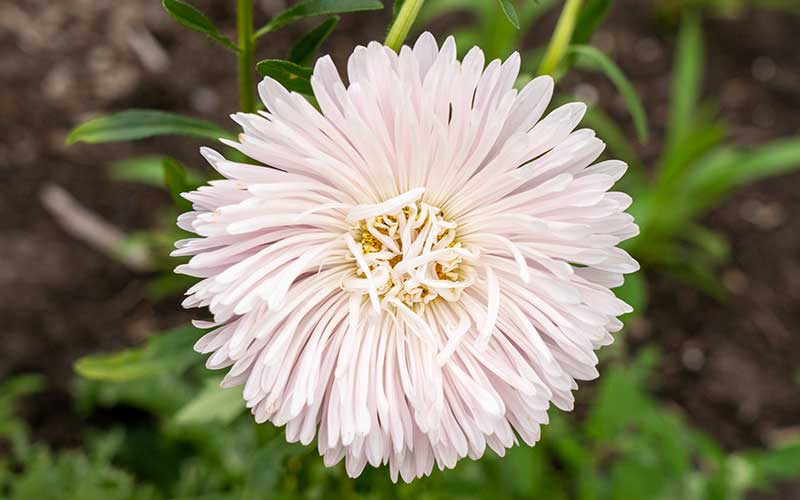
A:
[(167, 352), (510, 12), (310, 8), (140, 124), (213, 404), (195, 20), (591, 58), (591, 15), (304, 51), (290, 75)]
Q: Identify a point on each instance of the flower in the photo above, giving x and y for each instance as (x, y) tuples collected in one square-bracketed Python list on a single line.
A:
[(419, 268)]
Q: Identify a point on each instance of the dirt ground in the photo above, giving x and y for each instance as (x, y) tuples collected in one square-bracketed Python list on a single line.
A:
[(729, 367)]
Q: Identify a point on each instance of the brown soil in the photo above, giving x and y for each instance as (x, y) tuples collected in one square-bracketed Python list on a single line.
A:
[(730, 367)]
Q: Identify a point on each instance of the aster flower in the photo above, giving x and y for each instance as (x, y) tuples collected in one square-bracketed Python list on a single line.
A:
[(419, 268)]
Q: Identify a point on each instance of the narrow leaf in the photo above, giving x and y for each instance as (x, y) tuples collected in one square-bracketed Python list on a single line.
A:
[(143, 170), (510, 12), (309, 8), (167, 352), (148, 170), (686, 80), (290, 75), (304, 51), (591, 15), (591, 58), (195, 20), (213, 404), (177, 181), (140, 124), (725, 169)]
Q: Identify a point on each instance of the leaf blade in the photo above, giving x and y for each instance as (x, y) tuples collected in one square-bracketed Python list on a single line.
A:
[(292, 76), (686, 80), (212, 404), (592, 58), (310, 8), (190, 17), (140, 124), (303, 52), (510, 12), (591, 15), (170, 351)]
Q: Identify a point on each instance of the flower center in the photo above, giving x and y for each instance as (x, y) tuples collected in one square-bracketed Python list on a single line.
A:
[(409, 256)]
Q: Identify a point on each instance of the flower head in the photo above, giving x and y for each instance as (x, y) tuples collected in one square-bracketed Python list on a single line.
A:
[(419, 268)]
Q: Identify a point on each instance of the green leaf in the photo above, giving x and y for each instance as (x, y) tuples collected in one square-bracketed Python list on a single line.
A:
[(711, 242), (510, 12), (148, 170), (195, 20), (725, 169), (616, 139), (762, 469), (213, 404), (591, 58), (704, 135), (143, 170), (591, 15), (778, 157), (177, 181), (634, 293), (290, 75), (304, 51), (621, 400), (309, 8), (687, 74), (167, 352), (140, 124)]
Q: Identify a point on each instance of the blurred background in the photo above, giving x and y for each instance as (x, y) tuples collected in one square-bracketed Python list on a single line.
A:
[(699, 397)]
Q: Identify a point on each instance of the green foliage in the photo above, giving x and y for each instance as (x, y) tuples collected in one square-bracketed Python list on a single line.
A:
[(213, 404), (168, 352), (311, 8), (589, 57), (510, 12), (290, 75), (139, 124), (489, 27), (195, 20), (305, 50), (176, 179), (694, 173), (592, 14), (202, 446)]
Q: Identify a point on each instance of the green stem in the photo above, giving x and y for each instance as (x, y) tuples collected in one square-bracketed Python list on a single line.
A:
[(402, 23), (561, 38), (244, 25)]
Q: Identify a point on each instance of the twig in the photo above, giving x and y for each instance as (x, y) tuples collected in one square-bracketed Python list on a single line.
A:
[(90, 228)]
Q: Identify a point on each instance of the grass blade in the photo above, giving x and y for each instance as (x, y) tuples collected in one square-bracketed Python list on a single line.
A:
[(590, 58), (139, 124)]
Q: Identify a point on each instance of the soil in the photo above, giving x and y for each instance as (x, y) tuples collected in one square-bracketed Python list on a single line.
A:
[(728, 366)]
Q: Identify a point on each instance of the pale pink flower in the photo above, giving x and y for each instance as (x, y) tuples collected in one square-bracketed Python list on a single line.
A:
[(420, 268)]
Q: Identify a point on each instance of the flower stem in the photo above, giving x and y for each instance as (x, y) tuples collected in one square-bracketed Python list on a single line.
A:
[(402, 23), (244, 26), (561, 38)]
